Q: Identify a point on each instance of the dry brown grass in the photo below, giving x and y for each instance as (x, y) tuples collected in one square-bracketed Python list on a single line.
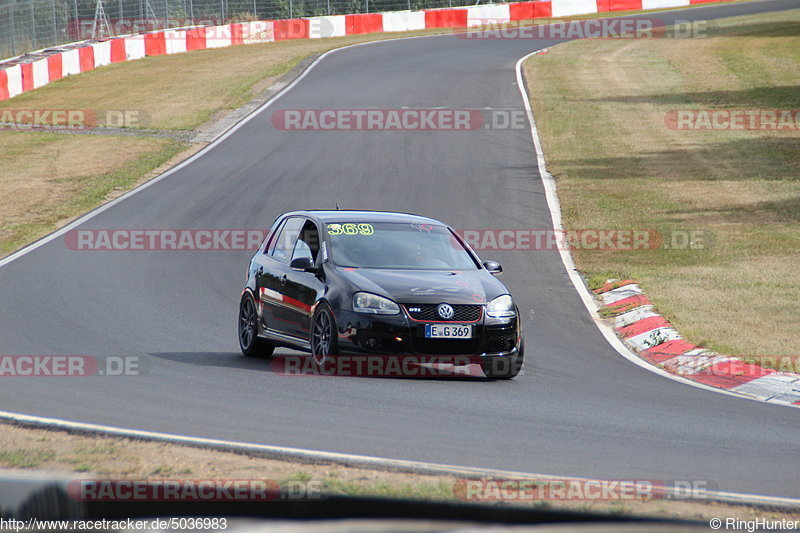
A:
[(49, 178), (600, 106)]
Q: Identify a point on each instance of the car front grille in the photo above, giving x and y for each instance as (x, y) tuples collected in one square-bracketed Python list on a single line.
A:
[(446, 346), (428, 313)]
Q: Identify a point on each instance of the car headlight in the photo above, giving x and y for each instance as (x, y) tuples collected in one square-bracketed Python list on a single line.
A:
[(366, 302), (501, 307)]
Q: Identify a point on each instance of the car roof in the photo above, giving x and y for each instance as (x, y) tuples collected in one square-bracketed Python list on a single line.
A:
[(328, 216)]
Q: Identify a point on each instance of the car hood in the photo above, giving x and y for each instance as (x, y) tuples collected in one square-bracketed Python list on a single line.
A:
[(427, 286)]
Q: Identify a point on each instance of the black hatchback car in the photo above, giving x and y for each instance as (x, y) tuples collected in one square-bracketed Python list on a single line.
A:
[(369, 282)]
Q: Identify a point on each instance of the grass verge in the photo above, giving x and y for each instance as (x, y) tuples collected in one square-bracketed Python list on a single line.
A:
[(600, 106), (47, 178)]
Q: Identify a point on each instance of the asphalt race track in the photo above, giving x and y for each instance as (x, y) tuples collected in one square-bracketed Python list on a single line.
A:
[(580, 409)]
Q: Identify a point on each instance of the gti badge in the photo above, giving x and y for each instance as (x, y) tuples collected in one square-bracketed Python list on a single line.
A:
[(445, 311)]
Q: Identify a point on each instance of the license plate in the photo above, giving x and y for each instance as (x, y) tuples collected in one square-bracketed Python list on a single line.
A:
[(441, 331)]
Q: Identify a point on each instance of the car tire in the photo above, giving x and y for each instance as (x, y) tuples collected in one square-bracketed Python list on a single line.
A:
[(504, 367), (323, 336), (250, 343)]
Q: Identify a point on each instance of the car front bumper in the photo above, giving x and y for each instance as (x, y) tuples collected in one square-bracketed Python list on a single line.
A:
[(400, 335)]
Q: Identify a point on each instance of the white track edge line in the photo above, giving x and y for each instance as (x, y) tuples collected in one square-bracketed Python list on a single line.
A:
[(366, 461)]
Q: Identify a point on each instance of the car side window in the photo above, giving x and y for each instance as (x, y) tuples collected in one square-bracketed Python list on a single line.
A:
[(307, 243), (272, 238), (285, 241), (301, 250)]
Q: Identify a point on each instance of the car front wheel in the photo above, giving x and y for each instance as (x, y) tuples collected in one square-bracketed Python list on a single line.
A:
[(323, 334), (249, 341)]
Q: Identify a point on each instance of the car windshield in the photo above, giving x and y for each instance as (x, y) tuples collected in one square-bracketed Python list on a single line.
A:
[(397, 245)]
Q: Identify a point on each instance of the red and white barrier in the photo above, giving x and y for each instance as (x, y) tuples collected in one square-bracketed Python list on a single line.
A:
[(403, 20), (70, 62), (41, 74), (566, 8), (86, 58), (134, 47), (17, 78), (155, 44), (54, 67), (446, 18), (117, 50), (176, 41), (27, 76), (218, 36), (13, 80), (3, 85), (624, 5), (363, 23), (530, 10), (259, 31), (291, 29), (328, 26), (102, 53), (488, 14), (660, 4)]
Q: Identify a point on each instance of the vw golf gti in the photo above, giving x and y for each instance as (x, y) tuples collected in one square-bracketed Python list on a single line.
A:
[(369, 282)]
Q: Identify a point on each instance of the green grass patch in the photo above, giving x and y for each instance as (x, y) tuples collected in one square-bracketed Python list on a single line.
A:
[(24, 458)]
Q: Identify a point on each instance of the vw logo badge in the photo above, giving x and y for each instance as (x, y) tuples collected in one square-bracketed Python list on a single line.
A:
[(445, 311)]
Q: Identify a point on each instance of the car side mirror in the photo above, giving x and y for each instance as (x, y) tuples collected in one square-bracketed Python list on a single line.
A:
[(493, 267), (303, 264)]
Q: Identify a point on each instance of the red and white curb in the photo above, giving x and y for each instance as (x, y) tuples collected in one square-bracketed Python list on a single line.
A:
[(654, 339)]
